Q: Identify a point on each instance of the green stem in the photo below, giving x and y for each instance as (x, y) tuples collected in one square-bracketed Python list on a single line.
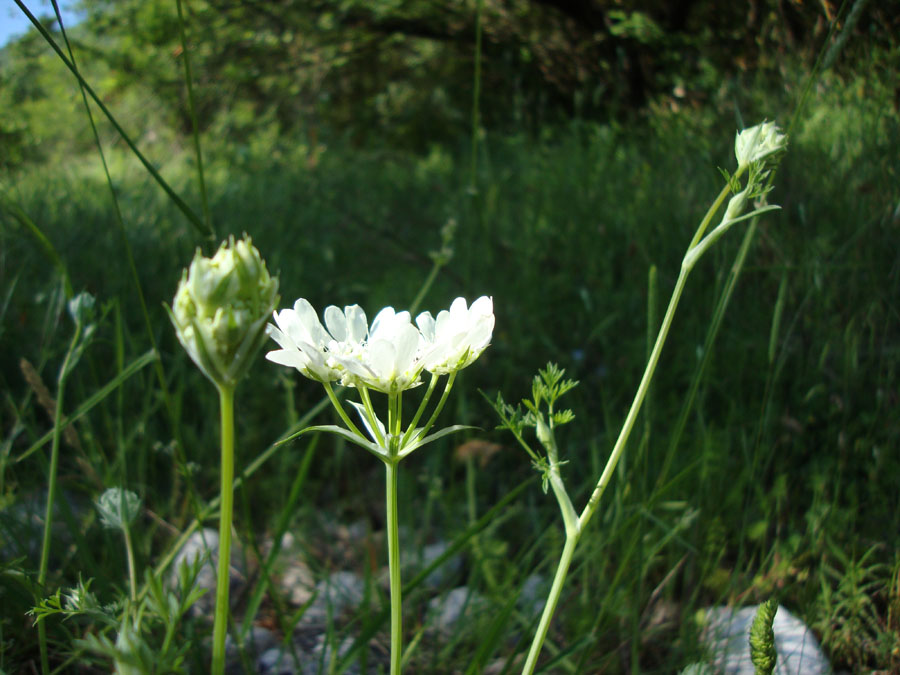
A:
[(415, 420), (129, 555), (51, 489), (373, 418), (440, 405), (220, 625), (574, 530), (619, 447), (558, 580), (711, 212), (393, 534), (340, 410)]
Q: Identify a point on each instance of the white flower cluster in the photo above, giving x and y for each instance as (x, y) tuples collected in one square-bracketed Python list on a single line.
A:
[(388, 356)]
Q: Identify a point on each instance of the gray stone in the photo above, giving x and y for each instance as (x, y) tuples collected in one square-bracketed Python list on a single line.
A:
[(341, 592), (205, 544), (726, 636), (443, 575), (319, 659), (279, 661), (295, 579), (533, 595), (447, 610)]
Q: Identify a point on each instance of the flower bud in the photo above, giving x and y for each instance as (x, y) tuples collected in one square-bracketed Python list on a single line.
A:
[(758, 143), (221, 307)]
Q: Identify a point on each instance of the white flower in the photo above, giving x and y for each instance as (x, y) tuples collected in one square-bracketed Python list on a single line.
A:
[(456, 337), (387, 361), (759, 142), (382, 358), (304, 342), (221, 307)]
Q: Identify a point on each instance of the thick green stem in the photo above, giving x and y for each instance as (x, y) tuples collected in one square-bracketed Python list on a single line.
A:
[(558, 580), (51, 489), (220, 625), (393, 534)]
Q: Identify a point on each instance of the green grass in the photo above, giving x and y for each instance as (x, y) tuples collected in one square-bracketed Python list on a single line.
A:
[(782, 483)]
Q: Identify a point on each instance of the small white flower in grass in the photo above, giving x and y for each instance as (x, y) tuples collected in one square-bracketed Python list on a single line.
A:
[(758, 143), (456, 337)]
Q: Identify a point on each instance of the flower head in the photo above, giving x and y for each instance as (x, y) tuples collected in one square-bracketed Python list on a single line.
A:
[(456, 337), (758, 143), (307, 346), (382, 357), (221, 307)]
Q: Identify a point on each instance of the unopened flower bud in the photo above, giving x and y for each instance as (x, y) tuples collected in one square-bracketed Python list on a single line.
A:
[(221, 307), (118, 508), (758, 143)]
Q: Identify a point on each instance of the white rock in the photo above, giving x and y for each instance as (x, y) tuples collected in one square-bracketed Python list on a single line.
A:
[(341, 592), (726, 635), (459, 603)]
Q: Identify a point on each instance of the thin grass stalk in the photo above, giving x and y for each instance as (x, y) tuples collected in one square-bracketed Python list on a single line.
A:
[(51, 488), (476, 98), (177, 200), (439, 262), (373, 626), (129, 255), (192, 110)]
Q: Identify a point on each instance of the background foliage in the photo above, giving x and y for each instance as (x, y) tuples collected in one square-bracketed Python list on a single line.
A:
[(339, 134)]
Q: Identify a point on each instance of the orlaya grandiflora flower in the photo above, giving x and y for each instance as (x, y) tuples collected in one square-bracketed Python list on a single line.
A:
[(382, 357), (456, 337), (306, 345), (758, 143), (387, 361)]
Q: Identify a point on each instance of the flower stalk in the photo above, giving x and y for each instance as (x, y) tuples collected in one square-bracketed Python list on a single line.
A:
[(756, 149), (226, 509), (80, 308), (219, 313), (388, 357)]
